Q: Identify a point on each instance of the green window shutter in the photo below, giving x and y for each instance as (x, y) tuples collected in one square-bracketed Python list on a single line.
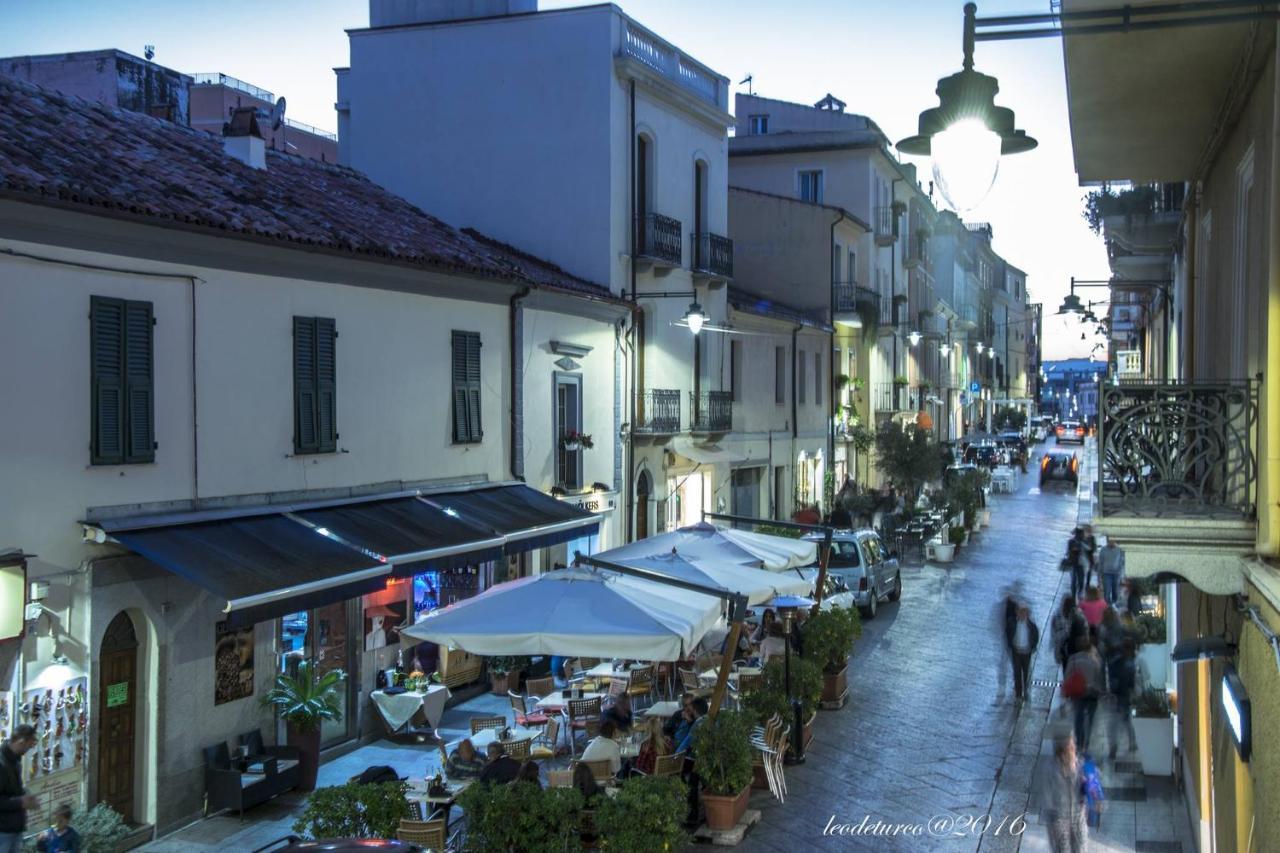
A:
[(107, 380), (466, 388), (305, 427), (139, 382), (326, 385)]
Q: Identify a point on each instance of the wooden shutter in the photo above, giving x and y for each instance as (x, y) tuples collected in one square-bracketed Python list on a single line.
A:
[(326, 385), (139, 382), (466, 388), (305, 428), (106, 347)]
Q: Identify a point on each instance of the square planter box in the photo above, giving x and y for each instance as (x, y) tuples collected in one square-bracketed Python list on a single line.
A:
[(1155, 744), (724, 812)]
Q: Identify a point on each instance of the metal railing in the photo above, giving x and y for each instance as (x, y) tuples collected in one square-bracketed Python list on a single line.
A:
[(921, 294), (314, 131), (891, 397), (885, 222), (668, 61), (1129, 363), (850, 296), (658, 412), (658, 236), (216, 79), (1175, 449), (711, 411), (713, 254)]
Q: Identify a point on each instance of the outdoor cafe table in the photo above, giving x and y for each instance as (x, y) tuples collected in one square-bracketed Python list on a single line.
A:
[(662, 710), (481, 739), (558, 700), (418, 791), (606, 670), (710, 675), (397, 709)]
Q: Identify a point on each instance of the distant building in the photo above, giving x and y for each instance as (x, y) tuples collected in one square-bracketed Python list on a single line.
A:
[(214, 96)]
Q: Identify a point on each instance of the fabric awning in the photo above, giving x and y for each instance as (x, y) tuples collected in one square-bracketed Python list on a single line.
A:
[(705, 454), (523, 517)]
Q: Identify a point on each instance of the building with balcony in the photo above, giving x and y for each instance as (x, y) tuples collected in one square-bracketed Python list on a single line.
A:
[(214, 96), (609, 159), (1189, 473)]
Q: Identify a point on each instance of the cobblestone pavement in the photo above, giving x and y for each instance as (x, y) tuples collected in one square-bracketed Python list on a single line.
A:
[(923, 734)]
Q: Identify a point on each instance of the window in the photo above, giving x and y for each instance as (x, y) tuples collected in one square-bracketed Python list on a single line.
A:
[(466, 388), (568, 419), (735, 371), (745, 491), (817, 378), (780, 492), (780, 375), (800, 376), (758, 124), (121, 376), (811, 186), (315, 420), (835, 263), (852, 269)]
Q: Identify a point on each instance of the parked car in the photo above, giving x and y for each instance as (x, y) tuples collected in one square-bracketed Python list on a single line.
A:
[(297, 844), (866, 567), (1070, 431), (984, 453), (1060, 464)]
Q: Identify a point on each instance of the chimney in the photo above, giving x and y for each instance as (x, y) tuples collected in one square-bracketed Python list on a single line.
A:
[(242, 139)]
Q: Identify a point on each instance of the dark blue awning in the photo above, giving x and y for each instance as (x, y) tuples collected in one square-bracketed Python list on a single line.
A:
[(525, 518)]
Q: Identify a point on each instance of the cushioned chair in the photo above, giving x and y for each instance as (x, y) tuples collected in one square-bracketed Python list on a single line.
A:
[(228, 788), (286, 756)]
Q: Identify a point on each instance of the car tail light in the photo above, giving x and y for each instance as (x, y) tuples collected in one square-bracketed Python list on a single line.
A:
[(1060, 430), (862, 584), (1044, 464), (1079, 431), (1074, 464)]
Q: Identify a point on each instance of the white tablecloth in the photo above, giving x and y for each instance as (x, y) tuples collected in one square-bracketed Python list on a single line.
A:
[(481, 739), (556, 701), (398, 708), (662, 709)]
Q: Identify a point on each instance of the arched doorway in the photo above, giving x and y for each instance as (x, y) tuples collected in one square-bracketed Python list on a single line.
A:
[(644, 488), (117, 698)]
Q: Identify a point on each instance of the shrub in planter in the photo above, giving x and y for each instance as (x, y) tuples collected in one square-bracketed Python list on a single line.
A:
[(100, 828), (647, 814), (354, 811), (771, 695), (502, 818), (502, 670), (722, 760), (828, 640), (956, 536), (1152, 629), (1153, 730)]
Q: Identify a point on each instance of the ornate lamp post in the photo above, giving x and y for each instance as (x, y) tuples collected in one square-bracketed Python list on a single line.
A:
[(787, 605)]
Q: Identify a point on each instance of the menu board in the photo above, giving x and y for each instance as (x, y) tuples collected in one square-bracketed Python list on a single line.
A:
[(52, 789), (61, 719)]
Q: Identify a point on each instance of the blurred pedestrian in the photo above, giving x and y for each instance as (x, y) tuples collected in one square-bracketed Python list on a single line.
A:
[(1111, 569), (1090, 552), (1061, 798), (15, 802), (1068, 625), (1083, 684), (1093, 606), (1076, 561), (1021, 638), (1005, 609), (1124, 678)]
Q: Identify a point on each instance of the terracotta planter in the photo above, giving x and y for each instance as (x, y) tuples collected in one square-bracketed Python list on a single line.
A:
[(308, 746), (500, 684), (724, 812), (834, 684)]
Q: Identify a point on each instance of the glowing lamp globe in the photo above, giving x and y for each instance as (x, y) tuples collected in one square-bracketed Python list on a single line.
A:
[(966, 158), (695, 317)]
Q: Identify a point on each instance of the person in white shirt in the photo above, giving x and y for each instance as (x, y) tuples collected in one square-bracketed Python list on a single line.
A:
[(775, 644), (603, 747)]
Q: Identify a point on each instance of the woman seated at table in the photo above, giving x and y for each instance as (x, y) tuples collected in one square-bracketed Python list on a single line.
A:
[(619, 713), (774, 644), (528, 773), (585, 782), (465, 762), (654, 747), (604, 748), (766, 622)]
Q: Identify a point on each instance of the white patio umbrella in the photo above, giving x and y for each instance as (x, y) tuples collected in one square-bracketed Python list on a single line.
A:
[(757, 585), (573, 612), (710, 543)]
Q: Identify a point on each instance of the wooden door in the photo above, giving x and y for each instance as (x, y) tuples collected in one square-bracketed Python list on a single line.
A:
[(642, 505), (117, 698)]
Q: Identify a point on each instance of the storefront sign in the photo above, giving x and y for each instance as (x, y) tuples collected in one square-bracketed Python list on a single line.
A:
[(117, 694), (232, 663), (1238, 710)]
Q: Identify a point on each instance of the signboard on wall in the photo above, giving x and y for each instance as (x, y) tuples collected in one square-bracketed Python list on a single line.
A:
[(232, 663), (13, 599)]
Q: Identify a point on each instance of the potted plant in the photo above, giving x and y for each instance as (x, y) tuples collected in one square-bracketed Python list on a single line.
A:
[(1153, 730), (828, 639), (572, 441), (305, 701), (958, 535), (504, 673), (944, 552), (771, 696), (842, 380), (521, 817), (901, 381), (722, 760), (100, 827), (647, 814), (354, 810)]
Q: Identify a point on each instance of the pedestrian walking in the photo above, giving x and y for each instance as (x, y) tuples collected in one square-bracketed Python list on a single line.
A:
[(1093, 606), (15, 802), (1124, 679), (1067, 626), (1061, 798), (1077, 562), (1090, 553), (1083, 685), (1005, 609), (1021, 639), (1111, 569)]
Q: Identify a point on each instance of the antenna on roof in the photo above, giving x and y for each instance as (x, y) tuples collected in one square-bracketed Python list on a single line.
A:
[(748, 79), (277, 113), (148, 51)]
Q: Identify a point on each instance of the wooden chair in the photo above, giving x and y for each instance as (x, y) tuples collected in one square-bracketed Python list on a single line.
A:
[(559, 778), (668, 765), (641, 682), (588, 663), (600, 770), (523, 716), (518, 749), (540, 686), (546, 745), (617, 686), (415, 810), (747, 683), (428, 833), (479, 724), (689, 680), (584, 716)]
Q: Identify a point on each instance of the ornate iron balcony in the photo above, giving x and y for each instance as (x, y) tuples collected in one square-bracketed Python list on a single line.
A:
[(658, 412), (1170, 449), (711, 411), (713, 254), (891, 397), (658, 237)]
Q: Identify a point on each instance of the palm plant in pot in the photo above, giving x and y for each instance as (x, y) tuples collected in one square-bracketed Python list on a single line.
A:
[(722, 760), (306, 700), (828, 640)]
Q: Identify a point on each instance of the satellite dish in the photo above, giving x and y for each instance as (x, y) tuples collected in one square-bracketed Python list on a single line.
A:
[(277, 113)]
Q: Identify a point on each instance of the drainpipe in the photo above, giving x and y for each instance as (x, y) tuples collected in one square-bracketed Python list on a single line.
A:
[(636, 320), (515, 339), (831, 348), (795, 424)]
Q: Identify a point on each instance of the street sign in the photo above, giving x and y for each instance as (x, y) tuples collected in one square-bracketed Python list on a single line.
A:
[(975, 387)]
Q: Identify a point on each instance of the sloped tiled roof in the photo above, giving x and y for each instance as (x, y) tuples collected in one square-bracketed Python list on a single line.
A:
[(63, 149)]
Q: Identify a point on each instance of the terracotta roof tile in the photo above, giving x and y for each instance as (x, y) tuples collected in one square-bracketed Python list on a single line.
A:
[(64, 148)]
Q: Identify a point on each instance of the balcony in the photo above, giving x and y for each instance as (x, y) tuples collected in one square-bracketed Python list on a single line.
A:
[(923, 300), (658, 412), (855, 306), (916, 252), (969, 315), (1129, 364), (891, 397), (658, 241), (711, 412), (663, 58), (1178, 450), (885, 224), (712, 257)]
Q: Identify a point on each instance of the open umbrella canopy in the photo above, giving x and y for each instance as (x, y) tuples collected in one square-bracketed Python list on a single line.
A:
[(756, 584), (709, 543), (574, 612)]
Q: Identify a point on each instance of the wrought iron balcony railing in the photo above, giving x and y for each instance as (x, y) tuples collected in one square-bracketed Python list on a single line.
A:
[(1172, 449), (658, 412), (885, 224), (713, 254), (849, 297), (711, 411), (658, 237), (891, 397)]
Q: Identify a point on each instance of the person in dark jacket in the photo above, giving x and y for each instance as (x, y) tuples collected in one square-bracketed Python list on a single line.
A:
[(501, 768), (59, 838), (1021, 636), (14, 800)]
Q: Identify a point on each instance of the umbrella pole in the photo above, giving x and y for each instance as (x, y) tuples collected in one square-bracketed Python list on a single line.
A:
[(726, 664)]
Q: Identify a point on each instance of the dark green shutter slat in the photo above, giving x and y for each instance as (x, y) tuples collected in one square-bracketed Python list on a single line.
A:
[(139, 382), (107, 380), (304, 384), (326, 385), (473, 386), (466, 387)]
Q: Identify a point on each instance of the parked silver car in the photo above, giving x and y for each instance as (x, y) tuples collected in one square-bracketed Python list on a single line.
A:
[(866, 566)]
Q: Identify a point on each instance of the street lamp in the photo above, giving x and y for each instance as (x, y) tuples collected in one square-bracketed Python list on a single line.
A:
[(966, 134), (913, 338), (695, 317), (786, 606), (981, 347)]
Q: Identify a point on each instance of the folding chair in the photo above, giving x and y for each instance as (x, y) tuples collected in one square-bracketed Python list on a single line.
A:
[(523, 716)]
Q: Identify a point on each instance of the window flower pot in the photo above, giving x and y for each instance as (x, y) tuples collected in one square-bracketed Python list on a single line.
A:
[(724, 812), (572, 446)]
